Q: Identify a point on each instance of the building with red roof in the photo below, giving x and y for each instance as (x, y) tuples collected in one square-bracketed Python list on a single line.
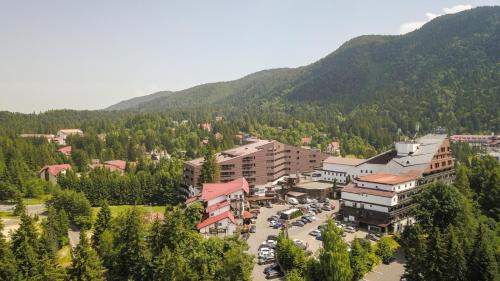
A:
[(224, 206), (333, 147), (51, 172), (65, 150)]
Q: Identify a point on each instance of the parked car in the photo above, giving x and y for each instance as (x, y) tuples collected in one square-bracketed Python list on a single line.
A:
[(315, 232), (319, 237), (274, 274), (268, 205), (273, 218), (312, 218), (372, 236), (349, 229), (298, 223), (274, 266), (318, 210), (326, 208), (253, 229), (293, 201), (304, 221), (272, 237), (266, 260), (253, 221)]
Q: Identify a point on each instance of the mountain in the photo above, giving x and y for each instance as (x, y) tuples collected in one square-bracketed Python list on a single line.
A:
[(134, 102), (448, 70)]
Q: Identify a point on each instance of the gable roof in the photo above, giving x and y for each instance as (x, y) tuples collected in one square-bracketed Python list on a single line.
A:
[(120, 164), (217, 206), (66, 150), (213, 190), (211, 220), (55, 169)]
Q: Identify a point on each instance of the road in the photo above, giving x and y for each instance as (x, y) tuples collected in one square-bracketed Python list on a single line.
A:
[(382, 272)]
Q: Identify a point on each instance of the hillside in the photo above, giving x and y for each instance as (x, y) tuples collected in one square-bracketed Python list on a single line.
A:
[(447, 71), (134, 102)]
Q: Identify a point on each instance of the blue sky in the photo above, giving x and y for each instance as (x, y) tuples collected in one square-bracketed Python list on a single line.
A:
[(91, 54)]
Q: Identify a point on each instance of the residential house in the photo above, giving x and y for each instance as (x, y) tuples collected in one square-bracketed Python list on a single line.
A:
[(51, 172), (65, 150), (63, 134), (224, 205)]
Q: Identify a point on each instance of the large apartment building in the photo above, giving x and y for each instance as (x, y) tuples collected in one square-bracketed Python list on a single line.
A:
[(258, 161), (378, 192)]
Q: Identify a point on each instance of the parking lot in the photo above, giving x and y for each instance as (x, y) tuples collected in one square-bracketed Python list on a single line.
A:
[(382, 272)]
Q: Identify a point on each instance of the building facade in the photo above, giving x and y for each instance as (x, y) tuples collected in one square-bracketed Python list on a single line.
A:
[(258, 161), (380, 194)]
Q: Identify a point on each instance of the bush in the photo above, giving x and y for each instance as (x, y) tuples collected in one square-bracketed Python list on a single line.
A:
[(296, 214)]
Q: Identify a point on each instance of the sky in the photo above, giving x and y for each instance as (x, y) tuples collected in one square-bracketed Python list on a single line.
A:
[(91, 54)]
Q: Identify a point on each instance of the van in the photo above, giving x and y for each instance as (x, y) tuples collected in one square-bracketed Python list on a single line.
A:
[(292, 201)]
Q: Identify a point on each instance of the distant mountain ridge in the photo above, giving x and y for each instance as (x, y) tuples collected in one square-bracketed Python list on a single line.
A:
[(134, 102), (442, 70)]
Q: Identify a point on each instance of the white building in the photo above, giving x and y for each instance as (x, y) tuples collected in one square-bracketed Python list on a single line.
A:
[(64, 133)]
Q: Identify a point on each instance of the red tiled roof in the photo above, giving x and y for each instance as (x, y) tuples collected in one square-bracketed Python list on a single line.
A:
[(192, 199), (120, 164), (55, 169), (214, 219), (247, 215), (217, 206), (66, 150), (351, 188), (386, 178), (213, 190)]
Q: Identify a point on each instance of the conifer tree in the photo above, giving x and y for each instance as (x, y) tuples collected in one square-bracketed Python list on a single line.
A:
[(334, 257), (25, 247), (462, 181), (359, 260), (130, 260), (210, 170), (456, 258), (102, 223), (19, 208), (436, 256), (7, 261), (483, 263), (86, 264)]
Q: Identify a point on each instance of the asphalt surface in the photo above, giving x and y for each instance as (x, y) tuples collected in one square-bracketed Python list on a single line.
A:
[(382, 272)]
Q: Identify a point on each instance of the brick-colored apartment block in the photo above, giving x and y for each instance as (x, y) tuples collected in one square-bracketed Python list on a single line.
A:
[(259, 161)]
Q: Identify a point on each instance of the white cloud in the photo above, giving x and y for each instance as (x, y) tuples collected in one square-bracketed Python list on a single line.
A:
[(410, 26)]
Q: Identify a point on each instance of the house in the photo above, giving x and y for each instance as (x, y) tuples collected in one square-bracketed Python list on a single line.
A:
[(65, 150), (64, 133), (51, 172), (306, 141), (218, 118), (333, 147), (224, 205), (111, 165), (218, 136), (206, 126)]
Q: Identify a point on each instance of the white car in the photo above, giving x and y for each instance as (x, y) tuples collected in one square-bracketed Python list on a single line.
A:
[(315, 232), (293, 201), (349, 229), (266, 252), (312, 217), (271, 242), (272, 223)]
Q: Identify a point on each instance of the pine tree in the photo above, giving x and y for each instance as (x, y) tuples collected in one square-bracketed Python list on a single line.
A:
[(130, 259), (436, 256), (457, 262), (210, 170), (102, 223), (462, 181), (51, 271), (415, 244), (86, 265), (334, 257), (19, 208), (25, 247), (7, 260), (359, 260), (483, 263)]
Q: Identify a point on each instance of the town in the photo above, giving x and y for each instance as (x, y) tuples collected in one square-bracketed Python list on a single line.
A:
[(239, 141)]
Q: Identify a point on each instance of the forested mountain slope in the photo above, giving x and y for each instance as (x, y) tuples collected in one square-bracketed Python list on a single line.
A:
[(447, 73)]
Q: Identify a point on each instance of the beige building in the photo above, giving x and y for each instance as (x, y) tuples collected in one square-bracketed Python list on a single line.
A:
[(258, 161)]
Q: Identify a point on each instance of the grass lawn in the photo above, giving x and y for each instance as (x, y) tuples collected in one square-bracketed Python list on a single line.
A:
[(118, 209), (34, 201), (8, 215), (64, 256)]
